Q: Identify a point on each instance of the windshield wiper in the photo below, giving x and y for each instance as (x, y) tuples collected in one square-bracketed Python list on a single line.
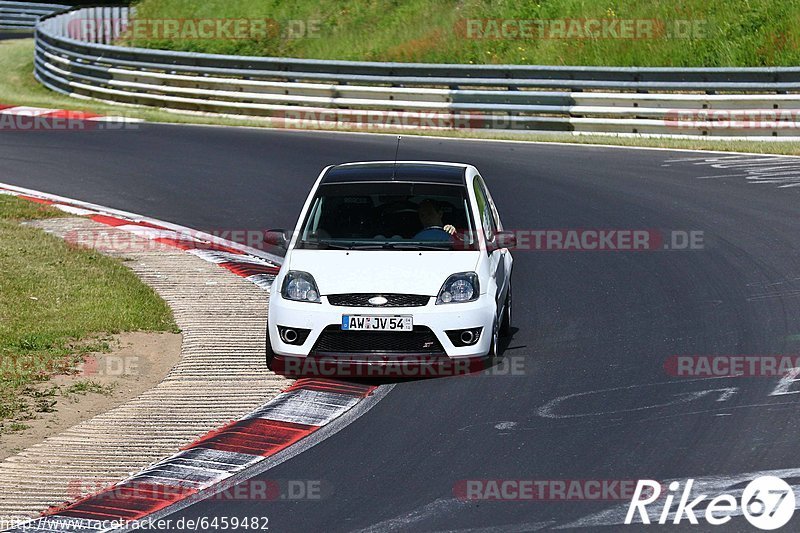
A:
[(325, 244), (398, 246), (346, 245), (378, 245), (372, 246), (417, 246)]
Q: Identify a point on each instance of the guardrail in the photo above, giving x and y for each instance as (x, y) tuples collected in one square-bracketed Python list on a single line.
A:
[(24, 15), (74, 55)]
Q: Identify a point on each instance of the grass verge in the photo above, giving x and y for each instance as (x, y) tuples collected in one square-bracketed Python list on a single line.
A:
[(57, 304), (701, 33), (19, 87)]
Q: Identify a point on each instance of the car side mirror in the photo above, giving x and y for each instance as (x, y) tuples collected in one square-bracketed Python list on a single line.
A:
[(276, 237), (505, 239)]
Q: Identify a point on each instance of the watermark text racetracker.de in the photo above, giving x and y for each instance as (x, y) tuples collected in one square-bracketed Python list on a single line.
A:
[(580, 28), (401, 366), (520, 239), (210, 29), (376, 120), (217, 522), (21, 119), (545, 490), (252, 490), (109, 365), (601, 240), (719, 366), (732, 119)]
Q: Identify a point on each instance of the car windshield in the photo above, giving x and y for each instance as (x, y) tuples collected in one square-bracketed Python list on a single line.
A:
[(389, 216)]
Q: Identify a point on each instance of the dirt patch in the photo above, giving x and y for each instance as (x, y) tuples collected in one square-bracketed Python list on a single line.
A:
[(136, 363)]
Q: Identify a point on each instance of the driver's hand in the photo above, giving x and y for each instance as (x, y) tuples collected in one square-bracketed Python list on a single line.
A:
[(450, 229)]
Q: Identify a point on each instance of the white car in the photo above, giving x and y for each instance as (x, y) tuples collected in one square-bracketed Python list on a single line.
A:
[(391, 262)]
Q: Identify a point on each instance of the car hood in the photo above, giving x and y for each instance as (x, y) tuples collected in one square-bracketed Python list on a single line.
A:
[(382, 271)]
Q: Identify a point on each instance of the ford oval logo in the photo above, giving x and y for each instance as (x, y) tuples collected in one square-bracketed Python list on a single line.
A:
[(378, 300)]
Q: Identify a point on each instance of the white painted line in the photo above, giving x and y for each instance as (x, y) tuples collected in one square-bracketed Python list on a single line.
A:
[(79, 211), (125, 120), (783, 171), (27, 111)]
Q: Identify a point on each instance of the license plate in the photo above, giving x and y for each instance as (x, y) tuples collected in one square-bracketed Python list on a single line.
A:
[(377, 323)]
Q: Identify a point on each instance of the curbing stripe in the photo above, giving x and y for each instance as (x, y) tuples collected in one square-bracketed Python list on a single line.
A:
[(59, 201), (108, 220), (318, 408), (27, 111), (243, 261), (330, 385), (246, 270), (256, 436), (299, 411), (293, 415), (36, 200), (81, 115), (205, 345), (226, 461)]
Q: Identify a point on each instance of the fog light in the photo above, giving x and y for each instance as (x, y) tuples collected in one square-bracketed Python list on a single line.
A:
[(295, 336), (464, 337)]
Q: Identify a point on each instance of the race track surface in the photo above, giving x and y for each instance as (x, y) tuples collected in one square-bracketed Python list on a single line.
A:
[(6, 35), (595, 324)]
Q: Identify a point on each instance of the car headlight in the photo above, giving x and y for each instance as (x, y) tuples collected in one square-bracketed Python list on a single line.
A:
[(459, 288), (300, 287)]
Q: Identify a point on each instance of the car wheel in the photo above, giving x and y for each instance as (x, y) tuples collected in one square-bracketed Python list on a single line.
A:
[(494, 345), (270, 353), (505, 328)]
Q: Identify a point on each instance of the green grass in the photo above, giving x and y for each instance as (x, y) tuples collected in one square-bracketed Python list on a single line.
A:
[(731, 32), (19, 87), (86, 386), (58, 303)]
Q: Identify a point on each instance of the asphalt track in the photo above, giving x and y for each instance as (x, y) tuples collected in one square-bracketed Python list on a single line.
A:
[(587, 321), (6, 35)]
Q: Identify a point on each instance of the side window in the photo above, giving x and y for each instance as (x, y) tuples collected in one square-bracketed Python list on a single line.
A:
[(485, 209), (495, 216), (313, 219)]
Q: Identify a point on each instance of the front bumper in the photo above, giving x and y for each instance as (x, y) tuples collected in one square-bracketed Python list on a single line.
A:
[(434, 320), (385, 366)]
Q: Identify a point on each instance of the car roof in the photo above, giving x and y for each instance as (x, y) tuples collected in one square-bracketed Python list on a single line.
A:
[(406, 171)]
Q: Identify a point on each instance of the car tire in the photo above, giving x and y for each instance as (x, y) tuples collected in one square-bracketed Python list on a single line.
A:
[(505, 324), (494, 344), (270, 353)]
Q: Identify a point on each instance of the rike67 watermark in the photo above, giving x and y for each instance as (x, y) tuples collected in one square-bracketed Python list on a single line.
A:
[(767, 503)]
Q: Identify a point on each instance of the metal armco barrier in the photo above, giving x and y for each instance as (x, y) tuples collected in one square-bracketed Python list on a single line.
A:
[(24, 15), (75, 55)]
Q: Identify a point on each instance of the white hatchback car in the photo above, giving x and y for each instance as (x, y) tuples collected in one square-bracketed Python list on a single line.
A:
[(391, 262)]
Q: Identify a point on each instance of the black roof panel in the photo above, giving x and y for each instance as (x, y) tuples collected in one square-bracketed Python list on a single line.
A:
[(415, 172)]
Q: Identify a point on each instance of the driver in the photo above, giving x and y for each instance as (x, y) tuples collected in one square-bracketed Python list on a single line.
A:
[(430, 214)]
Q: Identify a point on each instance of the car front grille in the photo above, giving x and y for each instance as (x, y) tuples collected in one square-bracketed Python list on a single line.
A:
[(420, 341), (394, 300)]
